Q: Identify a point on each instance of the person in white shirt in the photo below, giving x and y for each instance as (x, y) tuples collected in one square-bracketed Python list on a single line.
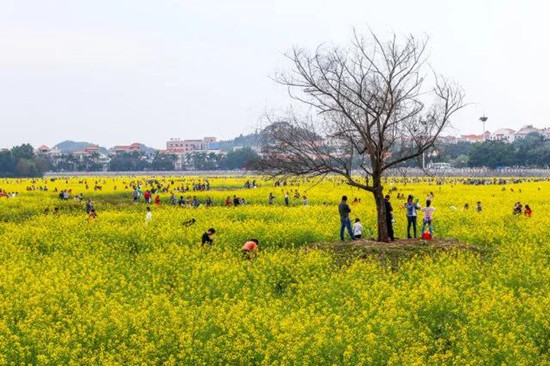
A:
[(428, 217), (357, 229), (148, 215)]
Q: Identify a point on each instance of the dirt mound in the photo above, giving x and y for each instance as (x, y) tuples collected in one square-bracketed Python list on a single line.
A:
[(394, 252)]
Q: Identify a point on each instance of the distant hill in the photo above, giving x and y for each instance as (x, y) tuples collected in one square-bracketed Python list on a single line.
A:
[(250, 140), (69, 146), (147, 149)]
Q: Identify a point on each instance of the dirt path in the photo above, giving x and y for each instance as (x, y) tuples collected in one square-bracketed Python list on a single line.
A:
[(395, 252)]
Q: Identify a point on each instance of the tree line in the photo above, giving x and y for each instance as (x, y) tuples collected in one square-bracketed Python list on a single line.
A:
[(532, 151), (22, 161)]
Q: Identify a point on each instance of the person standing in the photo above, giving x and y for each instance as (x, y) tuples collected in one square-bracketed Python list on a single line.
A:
[(345, 223), (89, 205), (271, 198), (389, 217), (287, 200), (428, 218), (411, 207)]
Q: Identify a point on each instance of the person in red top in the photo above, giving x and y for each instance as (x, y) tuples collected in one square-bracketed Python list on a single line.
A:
[(527, 212), (228, 201), (147, 196), (157, 200), (250, 248)]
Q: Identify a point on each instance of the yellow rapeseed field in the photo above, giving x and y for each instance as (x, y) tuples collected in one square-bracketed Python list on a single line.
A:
[(120, 290)]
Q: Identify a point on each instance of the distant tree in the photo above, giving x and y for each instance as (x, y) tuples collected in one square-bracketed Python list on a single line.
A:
[(492, 154), (20, 161), (7, 164), (461, 161), (244, 158), (163, 162), (448, 152), (24, 151), (129, 161)]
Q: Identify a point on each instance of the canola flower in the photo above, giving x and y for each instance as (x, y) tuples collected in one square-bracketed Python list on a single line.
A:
[(117, 291)]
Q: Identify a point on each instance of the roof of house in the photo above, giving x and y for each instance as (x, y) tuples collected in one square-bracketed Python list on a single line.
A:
[(504, 131), (472, 137)]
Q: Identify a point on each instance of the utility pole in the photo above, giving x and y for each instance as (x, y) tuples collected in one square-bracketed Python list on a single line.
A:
[(483, 119)]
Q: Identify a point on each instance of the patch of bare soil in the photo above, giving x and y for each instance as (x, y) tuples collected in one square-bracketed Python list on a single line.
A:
[(394, 252)]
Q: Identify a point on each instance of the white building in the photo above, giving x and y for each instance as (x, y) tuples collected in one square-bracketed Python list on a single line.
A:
[(504, 134), (181, 148)]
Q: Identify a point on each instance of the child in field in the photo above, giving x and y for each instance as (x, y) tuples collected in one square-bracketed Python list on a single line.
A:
[(518, 208), (250, 248), (89, 205), (92, 215), (478, 207), (527, 212), (357, 229), (207, 236), (428, 217), (148, 215)]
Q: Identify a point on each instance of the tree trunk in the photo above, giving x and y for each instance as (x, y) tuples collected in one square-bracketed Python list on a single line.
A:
[(378, 194)]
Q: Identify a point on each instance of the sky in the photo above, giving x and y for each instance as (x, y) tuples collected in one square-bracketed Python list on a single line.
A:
[(123, 71)]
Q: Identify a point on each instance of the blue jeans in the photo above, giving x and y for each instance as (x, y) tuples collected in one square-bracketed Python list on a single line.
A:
[(411, 222), (345, 223), (430, 227)]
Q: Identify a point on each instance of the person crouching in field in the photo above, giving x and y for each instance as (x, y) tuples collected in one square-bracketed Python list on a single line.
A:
[(428, 218), (357, 229), (527, 212), (207, 237), (250, 249)]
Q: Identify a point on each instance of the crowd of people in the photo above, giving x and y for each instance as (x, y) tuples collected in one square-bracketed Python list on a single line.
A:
[(6, 194), (149, 192)]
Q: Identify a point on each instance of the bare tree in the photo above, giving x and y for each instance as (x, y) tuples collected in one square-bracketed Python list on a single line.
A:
[(370, 111)]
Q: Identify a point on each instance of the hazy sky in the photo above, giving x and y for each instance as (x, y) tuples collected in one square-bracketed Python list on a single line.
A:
[(117, 71)]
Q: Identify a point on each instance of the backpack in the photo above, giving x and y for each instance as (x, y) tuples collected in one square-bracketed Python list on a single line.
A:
[(426, 236)]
